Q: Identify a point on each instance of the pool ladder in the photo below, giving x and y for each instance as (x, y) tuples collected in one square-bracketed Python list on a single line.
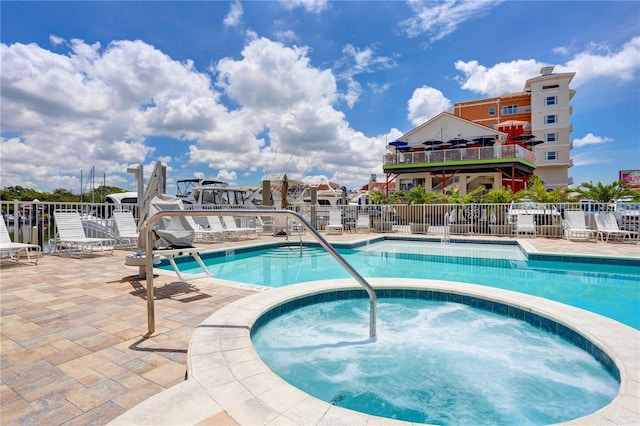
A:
[(148, 234)]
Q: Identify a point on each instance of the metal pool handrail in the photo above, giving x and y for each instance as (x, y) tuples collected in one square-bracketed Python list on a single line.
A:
[(147, 232)]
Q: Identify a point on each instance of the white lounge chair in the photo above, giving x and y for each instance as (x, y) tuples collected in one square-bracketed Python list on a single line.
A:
[(231, 226), (176, 235), (14, 249), (363, 224), (215, 228), (71, 236), (126, 228), (525, 224), (335, 222), (575, 227), (608, 227)]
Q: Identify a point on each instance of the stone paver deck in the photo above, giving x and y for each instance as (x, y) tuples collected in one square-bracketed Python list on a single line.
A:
[(72, 349)]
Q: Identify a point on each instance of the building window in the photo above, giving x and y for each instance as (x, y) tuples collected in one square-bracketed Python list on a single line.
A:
[(492, 110), (551, 100), (551, 137), (510, 109), (551, 86), (550, 119), (551, 155)]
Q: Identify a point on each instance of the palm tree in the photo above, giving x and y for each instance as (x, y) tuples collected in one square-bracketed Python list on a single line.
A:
[(602, 193)]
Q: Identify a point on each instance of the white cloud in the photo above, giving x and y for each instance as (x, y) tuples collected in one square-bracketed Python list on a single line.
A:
[(355, 62), (438, 19), (591, 139), (312, 6), (599, 61), (95, 106), (425, 103), (504, 77), (595, 62), (55, 40), (235, 14)]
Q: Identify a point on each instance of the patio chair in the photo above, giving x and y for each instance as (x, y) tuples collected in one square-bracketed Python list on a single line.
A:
[(14, 249), (525, 224), (231, 226), (215, 228), (363, 224), (71, 236), (608, 227), (174, 235), (335, 222), (126, 228), (281, 226), (575, 227)]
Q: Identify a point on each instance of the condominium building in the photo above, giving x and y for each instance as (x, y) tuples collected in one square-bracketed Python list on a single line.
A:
[(494, 142), (542, 111)]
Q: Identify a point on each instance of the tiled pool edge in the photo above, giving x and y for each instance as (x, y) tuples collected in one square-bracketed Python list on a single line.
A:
[(227, 375)]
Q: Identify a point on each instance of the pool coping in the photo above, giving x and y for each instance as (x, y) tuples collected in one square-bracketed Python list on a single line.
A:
[(530, 252), (227, 376)]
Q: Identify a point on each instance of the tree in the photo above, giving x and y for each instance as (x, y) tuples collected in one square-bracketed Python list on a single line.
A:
[(602, 193), (417, 195)]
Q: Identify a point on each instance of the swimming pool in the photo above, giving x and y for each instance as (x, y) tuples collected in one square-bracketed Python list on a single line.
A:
[(605, 288)]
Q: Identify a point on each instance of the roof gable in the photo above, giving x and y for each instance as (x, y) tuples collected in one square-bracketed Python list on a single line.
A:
[(446, 126)]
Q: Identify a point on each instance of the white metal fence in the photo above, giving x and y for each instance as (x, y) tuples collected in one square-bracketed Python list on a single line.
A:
[(34, 222)]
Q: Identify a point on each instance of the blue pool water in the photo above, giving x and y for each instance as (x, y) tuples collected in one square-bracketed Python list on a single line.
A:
[(607, 289), (433, 362)]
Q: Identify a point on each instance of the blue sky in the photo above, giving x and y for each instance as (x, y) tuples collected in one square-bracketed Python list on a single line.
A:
[(244, 90)]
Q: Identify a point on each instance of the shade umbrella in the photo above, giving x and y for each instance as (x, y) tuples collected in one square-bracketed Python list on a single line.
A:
[(432, 143), (458, 141), (398, 143), (284, 192), (523, 137), (533, 142), (485, 140)]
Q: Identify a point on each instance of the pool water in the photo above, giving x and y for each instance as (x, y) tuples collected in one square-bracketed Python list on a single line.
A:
[(607, 289), (433, 362)]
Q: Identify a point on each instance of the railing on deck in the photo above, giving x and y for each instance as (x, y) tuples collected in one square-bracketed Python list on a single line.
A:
[(458, 155)]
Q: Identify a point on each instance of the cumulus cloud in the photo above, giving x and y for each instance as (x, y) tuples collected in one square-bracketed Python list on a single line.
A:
[(595, 62), (590, 139), (437, 19), (103, 107), (425, 103), (503, 77), (235, 14), (599, 61)]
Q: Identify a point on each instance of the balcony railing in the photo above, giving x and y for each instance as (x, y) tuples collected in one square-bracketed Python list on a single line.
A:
[(459, 155)]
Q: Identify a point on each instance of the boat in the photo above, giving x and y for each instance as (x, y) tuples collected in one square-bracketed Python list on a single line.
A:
[(212, 192)]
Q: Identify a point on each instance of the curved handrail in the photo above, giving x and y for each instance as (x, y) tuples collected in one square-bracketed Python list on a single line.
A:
[(147, 232)]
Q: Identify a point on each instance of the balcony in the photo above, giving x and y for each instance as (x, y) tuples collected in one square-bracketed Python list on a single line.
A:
[(485, 154)]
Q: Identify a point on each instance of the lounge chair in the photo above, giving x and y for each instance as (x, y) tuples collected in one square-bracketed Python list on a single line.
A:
[(216, 229), (363, 224), (126, 228), (335, 222), (575, 227), (71, 236), (231, 226), (525, 224), (14, 249), (175, 235), (608, 227)]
